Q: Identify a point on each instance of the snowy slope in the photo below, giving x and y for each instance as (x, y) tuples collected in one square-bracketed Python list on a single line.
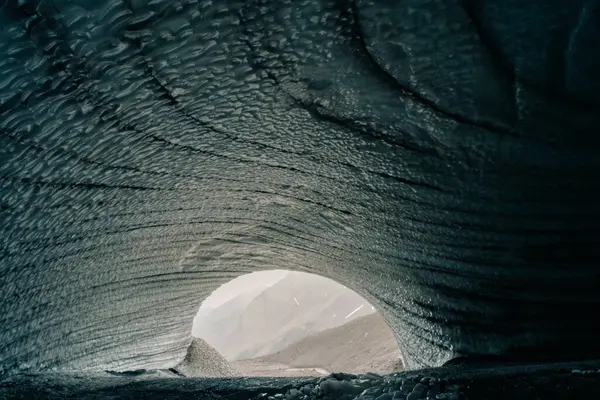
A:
[(299, 305), (365, 344)]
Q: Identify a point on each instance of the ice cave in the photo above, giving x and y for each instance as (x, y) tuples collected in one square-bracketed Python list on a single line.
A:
[(438, 157)]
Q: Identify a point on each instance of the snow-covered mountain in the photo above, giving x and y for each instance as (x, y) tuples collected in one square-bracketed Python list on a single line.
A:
[(262, 322), (366, 344)]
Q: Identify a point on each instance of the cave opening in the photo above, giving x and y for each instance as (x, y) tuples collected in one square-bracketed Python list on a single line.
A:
[(280, 323)]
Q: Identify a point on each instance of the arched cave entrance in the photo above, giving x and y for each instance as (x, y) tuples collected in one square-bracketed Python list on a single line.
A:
[(284, 323)]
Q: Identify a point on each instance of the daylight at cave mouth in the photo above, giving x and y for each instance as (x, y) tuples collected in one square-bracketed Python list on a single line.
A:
[(438, 158)]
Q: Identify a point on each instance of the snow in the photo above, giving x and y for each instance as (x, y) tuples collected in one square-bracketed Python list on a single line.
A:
[(354, 312)]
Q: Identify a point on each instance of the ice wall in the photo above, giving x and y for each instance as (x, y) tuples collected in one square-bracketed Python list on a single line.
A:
[(440, 158)]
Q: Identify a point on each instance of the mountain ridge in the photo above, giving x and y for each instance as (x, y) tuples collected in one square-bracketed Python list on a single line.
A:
[(263, 322)]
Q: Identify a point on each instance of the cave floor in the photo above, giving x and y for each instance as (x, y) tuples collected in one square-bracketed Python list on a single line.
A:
[(580, 380)]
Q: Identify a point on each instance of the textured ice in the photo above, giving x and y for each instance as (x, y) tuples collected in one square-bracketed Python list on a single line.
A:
[(160, 383), (440, 158), (550, 381)]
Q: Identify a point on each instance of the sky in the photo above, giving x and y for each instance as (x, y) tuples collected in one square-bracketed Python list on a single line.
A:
[(242, 284)]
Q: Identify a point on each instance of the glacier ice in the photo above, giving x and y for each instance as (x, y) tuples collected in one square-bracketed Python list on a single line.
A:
[(440, 158)]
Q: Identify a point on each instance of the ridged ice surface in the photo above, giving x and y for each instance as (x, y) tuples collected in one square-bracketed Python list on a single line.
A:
[(439, 157), (525, 382)]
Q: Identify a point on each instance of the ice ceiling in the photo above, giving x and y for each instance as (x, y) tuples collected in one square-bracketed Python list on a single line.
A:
[(439, 157)]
